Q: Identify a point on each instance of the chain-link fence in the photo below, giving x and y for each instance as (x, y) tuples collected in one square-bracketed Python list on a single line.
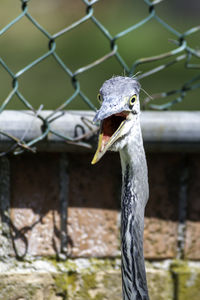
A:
[(182, 51)]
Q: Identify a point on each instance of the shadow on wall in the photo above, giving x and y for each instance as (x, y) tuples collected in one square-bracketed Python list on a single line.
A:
[(41, 225)]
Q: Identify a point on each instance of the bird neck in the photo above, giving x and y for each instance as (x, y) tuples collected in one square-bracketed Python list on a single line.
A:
[(134, 198), (133, 159)]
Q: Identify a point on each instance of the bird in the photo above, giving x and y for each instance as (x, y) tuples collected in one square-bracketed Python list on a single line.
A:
[(120, 130)]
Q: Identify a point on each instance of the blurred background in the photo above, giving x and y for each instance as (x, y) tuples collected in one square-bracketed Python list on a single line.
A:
[(48, 84)]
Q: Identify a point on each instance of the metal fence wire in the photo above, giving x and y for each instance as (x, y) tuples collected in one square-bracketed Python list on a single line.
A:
[(182, 52)]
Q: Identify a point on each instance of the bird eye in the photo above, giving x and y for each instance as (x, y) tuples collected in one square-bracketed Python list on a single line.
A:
[(99, 98), (132, 100)]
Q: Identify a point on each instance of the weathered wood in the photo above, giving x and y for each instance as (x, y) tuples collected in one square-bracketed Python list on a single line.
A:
[(162, 131)]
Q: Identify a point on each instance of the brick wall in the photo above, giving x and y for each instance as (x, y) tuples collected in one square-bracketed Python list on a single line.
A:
[(60, 227)]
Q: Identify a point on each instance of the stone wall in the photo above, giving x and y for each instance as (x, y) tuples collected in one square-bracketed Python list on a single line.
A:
[(59, 229)]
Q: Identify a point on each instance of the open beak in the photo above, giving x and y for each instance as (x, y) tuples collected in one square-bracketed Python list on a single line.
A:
[(110, 131)]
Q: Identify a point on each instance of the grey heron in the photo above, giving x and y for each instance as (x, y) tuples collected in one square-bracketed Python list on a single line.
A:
[(120, 130)]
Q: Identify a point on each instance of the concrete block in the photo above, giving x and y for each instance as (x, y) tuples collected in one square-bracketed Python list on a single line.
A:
[(101, 279), (159, 238), (94, 201), (34, 212), (187, 280), (161, 222), (31, 286), (77, 279), (192, 240), (192, 235)]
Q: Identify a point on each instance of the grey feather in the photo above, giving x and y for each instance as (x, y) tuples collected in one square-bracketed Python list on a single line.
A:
[(116, 94)]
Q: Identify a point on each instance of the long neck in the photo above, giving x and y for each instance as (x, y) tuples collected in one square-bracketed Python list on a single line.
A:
[(134, 198)]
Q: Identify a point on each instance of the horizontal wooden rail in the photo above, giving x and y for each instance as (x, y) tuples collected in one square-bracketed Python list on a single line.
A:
[(162, 131)]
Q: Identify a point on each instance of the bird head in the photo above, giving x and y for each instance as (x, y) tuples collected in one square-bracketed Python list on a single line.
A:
[(119, 99)]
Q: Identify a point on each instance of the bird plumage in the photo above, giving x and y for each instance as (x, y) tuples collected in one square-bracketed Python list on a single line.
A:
[(120, 130)]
